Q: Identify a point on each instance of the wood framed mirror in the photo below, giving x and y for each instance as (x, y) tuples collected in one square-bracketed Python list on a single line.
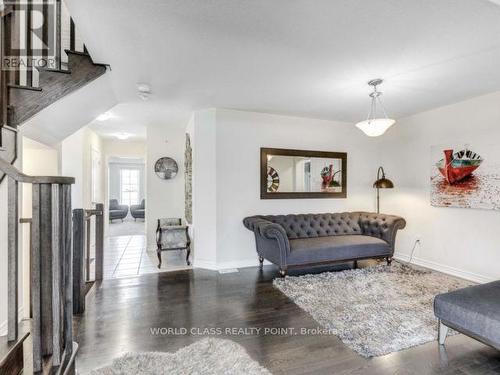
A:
[(301, 174)]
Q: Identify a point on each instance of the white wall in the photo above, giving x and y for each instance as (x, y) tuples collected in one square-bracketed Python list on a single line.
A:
[(235, 176), (76, 161), (72, 165), (202, 130), (92, 142), (463, 242), (124, 149), (164, 198)]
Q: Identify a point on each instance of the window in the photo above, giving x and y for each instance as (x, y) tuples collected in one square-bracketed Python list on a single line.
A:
[(129, 186)]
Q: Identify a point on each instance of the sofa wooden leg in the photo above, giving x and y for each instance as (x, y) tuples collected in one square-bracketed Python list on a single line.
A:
[(158, 252), (261, 261), (355, 265), (389, 260), (443, 331), (282, 272), (187, 255)]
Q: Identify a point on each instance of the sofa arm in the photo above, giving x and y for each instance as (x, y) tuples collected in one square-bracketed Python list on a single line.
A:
[(269, 231), (381, 226), (276, 232)]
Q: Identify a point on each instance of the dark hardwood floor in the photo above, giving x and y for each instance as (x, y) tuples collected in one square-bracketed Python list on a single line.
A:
[(121, 313)]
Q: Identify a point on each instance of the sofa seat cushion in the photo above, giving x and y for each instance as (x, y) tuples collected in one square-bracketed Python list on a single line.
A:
[(323, 249), (475, 309)]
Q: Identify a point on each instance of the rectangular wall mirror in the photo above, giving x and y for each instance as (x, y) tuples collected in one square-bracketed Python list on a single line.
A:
[(298, 174)]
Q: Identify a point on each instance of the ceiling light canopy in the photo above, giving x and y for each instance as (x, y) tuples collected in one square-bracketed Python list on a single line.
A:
[(143, 91), (375, 126)]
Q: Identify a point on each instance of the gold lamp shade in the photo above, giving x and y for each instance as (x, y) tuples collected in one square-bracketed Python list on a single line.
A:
[(381, 183)]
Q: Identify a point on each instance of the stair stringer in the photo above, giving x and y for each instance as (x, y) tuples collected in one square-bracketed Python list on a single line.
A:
[(26, 102)]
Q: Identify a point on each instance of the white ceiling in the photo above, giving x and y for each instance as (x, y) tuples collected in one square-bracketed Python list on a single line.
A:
[(296, 57), (124, 118)]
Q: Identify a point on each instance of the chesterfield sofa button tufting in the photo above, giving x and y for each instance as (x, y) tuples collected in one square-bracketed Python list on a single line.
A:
[(323, 238)]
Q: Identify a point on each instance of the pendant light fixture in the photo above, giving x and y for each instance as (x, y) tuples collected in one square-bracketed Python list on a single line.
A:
[(375, 126)]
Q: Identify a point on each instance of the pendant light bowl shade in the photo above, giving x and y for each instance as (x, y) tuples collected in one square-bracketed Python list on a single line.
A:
[(375, 127)]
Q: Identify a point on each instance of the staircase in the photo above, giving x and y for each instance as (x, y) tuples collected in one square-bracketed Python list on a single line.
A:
[(47, 338), (62, 66)]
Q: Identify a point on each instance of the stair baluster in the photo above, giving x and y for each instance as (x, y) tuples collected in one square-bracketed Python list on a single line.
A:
[(51, 279)]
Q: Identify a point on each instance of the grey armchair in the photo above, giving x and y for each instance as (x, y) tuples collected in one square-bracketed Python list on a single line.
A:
[(138, 210), (172, 235), (117, 211)]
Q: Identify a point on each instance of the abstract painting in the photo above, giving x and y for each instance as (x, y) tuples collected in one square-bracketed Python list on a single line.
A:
[(466, 176)]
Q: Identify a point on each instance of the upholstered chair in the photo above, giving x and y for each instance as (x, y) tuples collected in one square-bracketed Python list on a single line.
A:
[(117, 211), (138, 210), (172, 235)]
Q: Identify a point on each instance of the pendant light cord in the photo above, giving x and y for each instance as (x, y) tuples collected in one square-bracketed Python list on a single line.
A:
[(375, 95)]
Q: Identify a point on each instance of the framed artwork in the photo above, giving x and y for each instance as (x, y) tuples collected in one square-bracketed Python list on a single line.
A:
[(466, 176)]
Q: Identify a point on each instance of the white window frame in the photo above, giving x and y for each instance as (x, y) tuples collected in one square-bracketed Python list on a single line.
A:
[(137, 191)]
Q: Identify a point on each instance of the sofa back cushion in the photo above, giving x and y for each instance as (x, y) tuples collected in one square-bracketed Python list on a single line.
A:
[(317, 225)]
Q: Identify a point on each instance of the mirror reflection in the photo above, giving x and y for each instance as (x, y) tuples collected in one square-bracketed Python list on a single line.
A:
[(298, 174)]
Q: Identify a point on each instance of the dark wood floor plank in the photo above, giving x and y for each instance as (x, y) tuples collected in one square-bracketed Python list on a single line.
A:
[(121, 312)]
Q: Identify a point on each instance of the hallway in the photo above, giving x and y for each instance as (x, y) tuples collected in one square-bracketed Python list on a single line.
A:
[(127, 255)]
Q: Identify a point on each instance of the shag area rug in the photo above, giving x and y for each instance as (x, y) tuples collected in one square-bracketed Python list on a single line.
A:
[(208, 356), (375, 310)]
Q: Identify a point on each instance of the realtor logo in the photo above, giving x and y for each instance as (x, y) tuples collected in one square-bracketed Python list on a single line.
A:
[(32, 41)]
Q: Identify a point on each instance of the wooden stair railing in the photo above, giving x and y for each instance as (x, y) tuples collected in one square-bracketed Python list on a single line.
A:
[(47, 74), (51, 279), (83, 278)]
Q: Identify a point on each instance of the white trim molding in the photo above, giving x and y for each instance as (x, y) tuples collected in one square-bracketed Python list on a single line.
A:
[(467, 275), (205, 264), (254, 262)]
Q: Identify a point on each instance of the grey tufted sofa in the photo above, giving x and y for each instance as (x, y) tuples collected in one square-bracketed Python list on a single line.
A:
[(311, 239)]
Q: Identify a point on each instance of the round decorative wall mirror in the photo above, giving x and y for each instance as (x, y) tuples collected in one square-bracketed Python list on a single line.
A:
[(166, 168)]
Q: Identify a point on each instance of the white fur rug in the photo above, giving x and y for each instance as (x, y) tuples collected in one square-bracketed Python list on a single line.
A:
[(375, 310), (208, 356)]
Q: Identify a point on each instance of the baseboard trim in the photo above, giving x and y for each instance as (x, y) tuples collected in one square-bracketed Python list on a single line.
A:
[(254, 262), (471, 276), (205, 264)]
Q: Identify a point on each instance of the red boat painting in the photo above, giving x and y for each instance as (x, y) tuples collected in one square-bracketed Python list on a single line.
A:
[(457, 166)]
